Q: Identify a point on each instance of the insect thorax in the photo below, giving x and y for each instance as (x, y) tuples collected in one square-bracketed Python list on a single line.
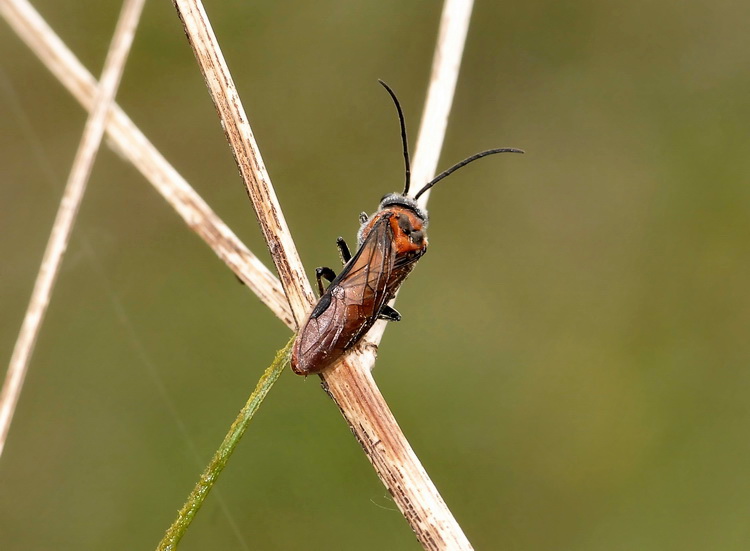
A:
[(393, 203)]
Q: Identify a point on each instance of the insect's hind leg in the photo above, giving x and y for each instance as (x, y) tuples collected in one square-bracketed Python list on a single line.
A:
[(389, 313), (324, 273), (346, 256)]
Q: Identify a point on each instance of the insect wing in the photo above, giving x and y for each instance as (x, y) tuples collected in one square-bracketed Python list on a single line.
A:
[(365, 284)]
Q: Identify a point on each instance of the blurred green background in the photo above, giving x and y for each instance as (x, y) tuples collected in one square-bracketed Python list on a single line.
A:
[(572, 367)]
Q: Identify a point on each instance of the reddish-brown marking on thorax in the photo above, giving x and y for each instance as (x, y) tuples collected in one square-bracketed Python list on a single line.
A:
[(402, 241)]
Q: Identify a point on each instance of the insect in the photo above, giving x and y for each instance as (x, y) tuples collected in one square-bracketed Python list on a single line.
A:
[(389, 243)]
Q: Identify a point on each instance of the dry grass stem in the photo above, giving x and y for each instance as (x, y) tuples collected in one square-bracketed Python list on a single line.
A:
[(247, 156), (134, 146), (349, 384), (446, 63), (67, 211)]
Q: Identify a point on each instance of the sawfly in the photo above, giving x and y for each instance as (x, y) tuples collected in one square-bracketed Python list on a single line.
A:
[(389, 243)]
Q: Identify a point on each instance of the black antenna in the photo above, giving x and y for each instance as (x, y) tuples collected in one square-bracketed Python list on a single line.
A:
[(403, 136), (465, 162)]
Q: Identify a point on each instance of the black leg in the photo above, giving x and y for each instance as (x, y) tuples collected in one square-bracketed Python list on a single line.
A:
[(324, 273), (389, 314), (343, 250)]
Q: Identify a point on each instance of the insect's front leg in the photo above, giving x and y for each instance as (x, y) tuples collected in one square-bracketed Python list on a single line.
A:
[(324, 273), (346, 256)]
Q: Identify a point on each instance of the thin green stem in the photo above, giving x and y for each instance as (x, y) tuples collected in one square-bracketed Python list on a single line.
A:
[(218, 462)]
